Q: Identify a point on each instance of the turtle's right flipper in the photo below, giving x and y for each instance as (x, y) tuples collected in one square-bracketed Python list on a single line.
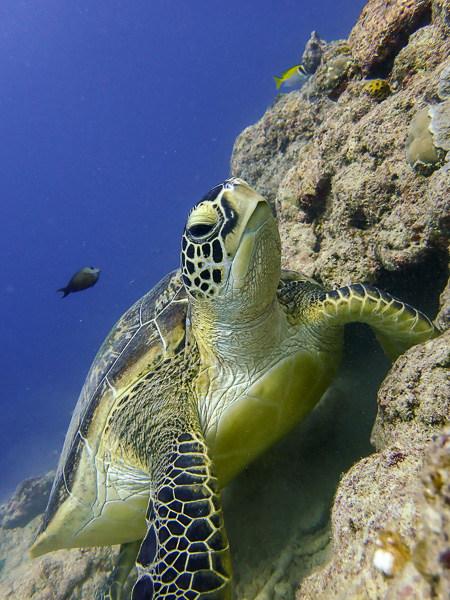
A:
[(185, 553), (397, 325)]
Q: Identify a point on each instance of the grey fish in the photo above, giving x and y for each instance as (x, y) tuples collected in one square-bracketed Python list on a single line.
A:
[(83, 279)]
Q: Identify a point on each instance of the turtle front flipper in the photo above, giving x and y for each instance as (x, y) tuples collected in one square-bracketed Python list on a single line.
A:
[(112, 590), (397, 325), (185, 553)]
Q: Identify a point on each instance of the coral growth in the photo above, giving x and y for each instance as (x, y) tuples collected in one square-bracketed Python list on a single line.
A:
[(29, 500), (440, 125), (334, 165), (419, 143), (336, 71), (313, 53), (378, 89), (443, 88), (383, 29)]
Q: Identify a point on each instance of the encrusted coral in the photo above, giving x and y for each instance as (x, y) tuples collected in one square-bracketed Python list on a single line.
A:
[(419, 143), (429, 132), (29, 500), (313, 53), (441, 14), (440, 124), (391, 553), (373, 213), (378, 89), (336, 71), (382, 28), (444, 84), (440, 113)]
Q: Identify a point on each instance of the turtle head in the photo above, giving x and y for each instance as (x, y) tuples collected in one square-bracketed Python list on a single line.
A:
[(231, 247)]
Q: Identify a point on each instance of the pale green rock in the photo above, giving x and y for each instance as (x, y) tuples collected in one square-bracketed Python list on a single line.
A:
[(419, 143)]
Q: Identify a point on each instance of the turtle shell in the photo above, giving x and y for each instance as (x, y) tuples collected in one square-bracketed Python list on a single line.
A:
[(152, 330)]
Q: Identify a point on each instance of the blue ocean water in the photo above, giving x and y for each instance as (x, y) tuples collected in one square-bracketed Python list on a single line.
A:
[(116, 117)]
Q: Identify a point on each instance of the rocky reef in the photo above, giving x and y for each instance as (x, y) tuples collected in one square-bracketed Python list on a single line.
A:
[(391, 515), (332, 160), (28, 501), (360, 184), (356, 168)]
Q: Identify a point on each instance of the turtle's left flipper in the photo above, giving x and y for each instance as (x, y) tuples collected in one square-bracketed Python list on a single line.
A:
[(185, 553), (397, 325), (112, 590)]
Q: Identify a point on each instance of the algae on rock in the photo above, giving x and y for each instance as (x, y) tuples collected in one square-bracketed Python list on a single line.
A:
[(339, 167), (332, 162), (351, 208)]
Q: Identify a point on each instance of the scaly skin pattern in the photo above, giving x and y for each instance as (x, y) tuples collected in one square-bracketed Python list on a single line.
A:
[(202, 375), (185, 553), (397, 325)]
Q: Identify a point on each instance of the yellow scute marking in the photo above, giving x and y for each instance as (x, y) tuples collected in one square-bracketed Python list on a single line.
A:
[(268, 410), (119, 511)]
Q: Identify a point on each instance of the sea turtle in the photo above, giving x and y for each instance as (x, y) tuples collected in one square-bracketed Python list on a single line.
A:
[(220, 360)]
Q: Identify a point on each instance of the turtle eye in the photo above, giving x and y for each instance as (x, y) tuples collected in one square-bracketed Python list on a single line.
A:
[(202, 221), (201, 230)]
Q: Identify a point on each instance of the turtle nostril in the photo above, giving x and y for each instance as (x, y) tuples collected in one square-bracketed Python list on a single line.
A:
[(200, 230)]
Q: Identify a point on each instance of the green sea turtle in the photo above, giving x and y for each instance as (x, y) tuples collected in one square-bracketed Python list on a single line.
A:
[(220, 360)]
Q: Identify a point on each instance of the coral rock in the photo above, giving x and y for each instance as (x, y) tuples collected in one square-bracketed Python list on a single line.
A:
[(382, 29), (440, 125), (444, 84), (313, 53), (29, 500), (340, 170), (391, 516), (413, 400), (441, 14), (443, 318), (378, 89)]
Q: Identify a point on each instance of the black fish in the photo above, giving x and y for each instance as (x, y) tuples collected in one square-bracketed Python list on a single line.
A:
[(82, 280)]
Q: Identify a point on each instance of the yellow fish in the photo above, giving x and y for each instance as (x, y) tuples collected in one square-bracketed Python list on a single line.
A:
[(293, 76)]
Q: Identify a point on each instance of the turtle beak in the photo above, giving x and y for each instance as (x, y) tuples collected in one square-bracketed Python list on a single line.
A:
[(261, 224), (260, 215)]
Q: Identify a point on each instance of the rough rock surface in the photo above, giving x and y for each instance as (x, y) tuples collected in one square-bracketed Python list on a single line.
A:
[(350, 207), (382, 29), (414, 399), (28, 501), (441, 14), (62, 575), (390, 500), (332, 162), (443, 318), (394, 502)]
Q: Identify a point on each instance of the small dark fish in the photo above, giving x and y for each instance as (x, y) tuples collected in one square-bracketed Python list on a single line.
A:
[(82, 280)]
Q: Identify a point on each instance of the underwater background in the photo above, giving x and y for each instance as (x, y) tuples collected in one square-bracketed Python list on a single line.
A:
[(116, 117)]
